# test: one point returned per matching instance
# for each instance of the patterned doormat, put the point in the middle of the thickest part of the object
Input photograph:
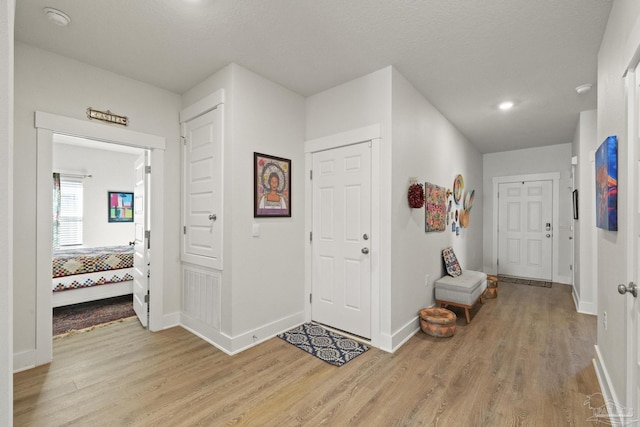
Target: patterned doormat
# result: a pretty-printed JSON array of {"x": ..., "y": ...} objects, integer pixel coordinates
[
  {"x": 324, "y": 344},
  {"x": 520, "y": 281}
]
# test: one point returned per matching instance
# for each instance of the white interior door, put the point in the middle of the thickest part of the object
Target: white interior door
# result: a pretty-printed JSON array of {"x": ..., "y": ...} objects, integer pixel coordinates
[
  {"x": 632, "y": 411},
  {"x": 341, "y": 240},
  {"x": 202, "y": 240},
  {"x": 525, "y": 229},
  {"x": 141, "y": 248}
]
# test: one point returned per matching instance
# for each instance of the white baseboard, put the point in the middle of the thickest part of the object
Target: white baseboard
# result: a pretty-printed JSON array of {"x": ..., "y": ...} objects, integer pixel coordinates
[
  {"x": 256, "y": 336},
  {"x": 24, "y": 360},
  {"x": 238, "y": 343},
  {"x": 405, "y": 333},
  {"x": 171, "y": 320},
  {"x": 610, "y": 397},
  {"x": 583, "y": 307}
]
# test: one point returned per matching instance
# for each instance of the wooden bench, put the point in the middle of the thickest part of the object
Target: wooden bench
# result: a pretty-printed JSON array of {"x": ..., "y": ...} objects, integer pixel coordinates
[{"x": 462, "y": 291}]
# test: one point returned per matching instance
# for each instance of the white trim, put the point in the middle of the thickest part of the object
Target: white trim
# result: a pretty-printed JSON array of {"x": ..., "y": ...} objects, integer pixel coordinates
[
  {"x": 98, "y": 131},
  {"x": 631, "y": 308},
  {"x": 24, "y": 360},
  {"x": 203, "y": 106},
  {"x": 582, "y": 306},
  {"x": 373, "y": 134},
  {"x": 239, "y": 343},
  {"x": 404, "y": 334},
  {"x": 342, "y": 139},
  {"x": 554, "y": 177},
  {"x": 48, "y": 124},
  {"x": 606, "y": 386}
]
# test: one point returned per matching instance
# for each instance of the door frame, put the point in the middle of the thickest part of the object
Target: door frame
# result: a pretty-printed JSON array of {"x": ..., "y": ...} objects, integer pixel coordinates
[
  {"x": 46, "y": 125},
  {"x": 365, "y": 134},
  {"x": 633, "y": 135},
  {"x": 554, "y": 177}
]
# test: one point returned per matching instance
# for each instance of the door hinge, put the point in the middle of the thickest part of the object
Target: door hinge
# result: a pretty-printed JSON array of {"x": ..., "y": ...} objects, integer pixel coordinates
[
  {"x": 184, "y": 140},
  {"x": 184, "y": 230},
  {"x": 147, "y": 235},
  {"x": 311, "y": 236},
  {"x": 310, "y": 298},
  {"x": 147, "y": 169},
  {"x": 311, "y": 174},
  {"x": 146, "y": 299}
]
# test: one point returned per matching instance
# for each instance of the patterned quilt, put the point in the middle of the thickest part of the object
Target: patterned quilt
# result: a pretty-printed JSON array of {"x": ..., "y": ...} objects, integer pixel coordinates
[
  {"x": 68, "y": 262},
  {"x": 82, "y": 268}
]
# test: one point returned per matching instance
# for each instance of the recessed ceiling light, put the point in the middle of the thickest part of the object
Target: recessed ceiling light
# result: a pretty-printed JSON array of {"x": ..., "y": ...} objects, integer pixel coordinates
[
  {"x": 506, "y": 105},
  {"x": 56, "y": 16},
  {"x": 584, "y": 88}
]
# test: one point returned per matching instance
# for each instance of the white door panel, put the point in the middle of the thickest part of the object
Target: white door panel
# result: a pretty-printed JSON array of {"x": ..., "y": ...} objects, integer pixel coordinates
[
  {"x": 141, "y": 248},
  {"x": 525, "y": 229},
  {"x": 202, "y": 242},
  {"x": 341, "y": 275}
]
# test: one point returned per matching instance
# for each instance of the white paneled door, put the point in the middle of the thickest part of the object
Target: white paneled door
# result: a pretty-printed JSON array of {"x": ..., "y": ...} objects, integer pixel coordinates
[
  {"x": 341, "y": 240},
  {"x": 525, "y": 229},
  {"x": 202, "y": 243},
  {"x": 141, "y": 248}
]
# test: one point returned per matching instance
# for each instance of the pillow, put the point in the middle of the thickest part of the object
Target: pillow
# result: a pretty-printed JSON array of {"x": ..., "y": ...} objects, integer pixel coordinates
[{"x": 451, "y": 262}]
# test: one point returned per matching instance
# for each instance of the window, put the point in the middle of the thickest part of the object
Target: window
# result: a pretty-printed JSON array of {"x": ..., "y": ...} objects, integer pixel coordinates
[{"x": 70, "y": 228}]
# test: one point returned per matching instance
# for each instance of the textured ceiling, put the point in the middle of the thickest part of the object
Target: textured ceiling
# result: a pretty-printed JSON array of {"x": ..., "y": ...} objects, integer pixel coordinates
[{"x": 465, "y": 56}]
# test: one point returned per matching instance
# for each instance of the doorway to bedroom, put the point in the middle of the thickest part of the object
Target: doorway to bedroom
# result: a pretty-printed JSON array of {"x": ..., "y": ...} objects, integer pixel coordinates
[
  {"x": 148, "y": 269},
  {"x": 94, "y": 222}
]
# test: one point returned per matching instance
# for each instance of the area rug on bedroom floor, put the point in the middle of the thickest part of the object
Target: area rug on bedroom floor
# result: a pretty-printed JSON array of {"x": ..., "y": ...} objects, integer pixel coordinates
[
  {"x": 324, "y": 344},
  {"x": 521, "y": 281},
  {"x": 88, "y": 314}
]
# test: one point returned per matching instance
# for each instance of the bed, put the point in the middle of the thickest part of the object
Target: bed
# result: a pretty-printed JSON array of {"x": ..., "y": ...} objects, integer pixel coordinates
[{"x": 89, "y": 274}]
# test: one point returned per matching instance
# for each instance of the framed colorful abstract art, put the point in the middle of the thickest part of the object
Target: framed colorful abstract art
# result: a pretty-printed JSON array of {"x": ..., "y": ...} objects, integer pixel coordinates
[
  {"x": 120, "y": 207},
  {"x": 272, "y": 186},
  {"x": 435, "y": 207},
  {"x": 607, "y": 184}
]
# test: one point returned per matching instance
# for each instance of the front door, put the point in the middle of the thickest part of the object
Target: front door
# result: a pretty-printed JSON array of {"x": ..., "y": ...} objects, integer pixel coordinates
[
  {"x": 141, "y": 248},
  {"x": 341, "y": 239},
  {"x": 525, "y": 229}
]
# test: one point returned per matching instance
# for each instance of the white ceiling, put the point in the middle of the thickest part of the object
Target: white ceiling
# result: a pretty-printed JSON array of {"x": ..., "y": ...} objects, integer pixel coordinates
[{"x": 465, "y": 56}]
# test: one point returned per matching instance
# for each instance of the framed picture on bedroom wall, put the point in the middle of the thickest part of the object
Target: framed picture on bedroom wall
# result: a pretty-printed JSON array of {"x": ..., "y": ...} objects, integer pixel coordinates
[{"x": 120, "y": 207}]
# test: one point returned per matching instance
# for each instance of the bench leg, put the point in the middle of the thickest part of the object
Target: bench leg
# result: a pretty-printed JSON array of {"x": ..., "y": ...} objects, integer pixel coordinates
[{"x": 466, "y": 314}]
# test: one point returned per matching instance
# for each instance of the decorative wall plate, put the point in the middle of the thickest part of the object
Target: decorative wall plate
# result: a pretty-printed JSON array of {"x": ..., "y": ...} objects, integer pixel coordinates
[{"x": 458, "y": 185}]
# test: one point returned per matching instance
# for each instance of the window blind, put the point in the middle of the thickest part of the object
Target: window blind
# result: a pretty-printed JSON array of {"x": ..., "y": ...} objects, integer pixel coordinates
[{"x": 71, "y": 202}]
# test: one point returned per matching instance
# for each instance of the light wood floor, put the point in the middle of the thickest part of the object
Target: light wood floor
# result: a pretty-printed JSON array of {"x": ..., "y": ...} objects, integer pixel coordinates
[{"x": 524, "y": 360}]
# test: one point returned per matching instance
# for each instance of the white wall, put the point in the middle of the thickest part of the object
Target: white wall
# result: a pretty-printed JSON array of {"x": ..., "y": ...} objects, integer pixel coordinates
[
  {"x": 110, "y": 171},
  {"x": 552, "y": 158},
  {"x": 584, "y": 144},
  {"x": 621, "y": 39},
  {"x": 7, "y": 10},
  {"x": 58, "y": 85},
  {"x": 263, "y": 277},
  {"x": 426, "y": 145}
]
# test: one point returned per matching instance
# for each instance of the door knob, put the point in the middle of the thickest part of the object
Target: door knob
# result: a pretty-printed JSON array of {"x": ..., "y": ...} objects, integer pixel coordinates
[
  {"x": 631, "y": 288},
  {"x": 365, "y": 250},
  {"x": 213, "y": 217},
  {"x": 548, "y": 235}
]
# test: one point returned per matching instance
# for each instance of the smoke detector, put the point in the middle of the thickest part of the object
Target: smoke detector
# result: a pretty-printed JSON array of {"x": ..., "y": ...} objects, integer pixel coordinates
[{"x": 56, "y": 16}]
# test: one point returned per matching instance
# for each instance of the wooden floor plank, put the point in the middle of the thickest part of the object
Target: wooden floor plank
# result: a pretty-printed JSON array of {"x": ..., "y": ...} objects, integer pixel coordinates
[{"x": 525, "y": 359}]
